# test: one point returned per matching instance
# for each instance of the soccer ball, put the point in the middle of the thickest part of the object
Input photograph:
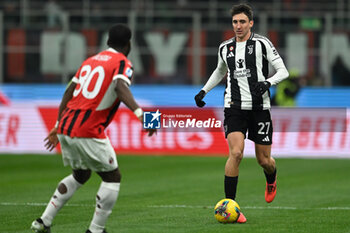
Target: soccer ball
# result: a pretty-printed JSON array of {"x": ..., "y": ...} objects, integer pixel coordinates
[{"x": 227, "y": 211}]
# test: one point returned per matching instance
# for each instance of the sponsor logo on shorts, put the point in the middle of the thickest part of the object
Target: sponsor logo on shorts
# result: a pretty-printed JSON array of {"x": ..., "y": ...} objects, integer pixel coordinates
[{"x": 266, "y": 139}]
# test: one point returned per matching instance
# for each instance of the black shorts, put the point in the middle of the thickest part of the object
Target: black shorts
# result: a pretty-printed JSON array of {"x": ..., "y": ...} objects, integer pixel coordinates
[{"x": 257, "y": 122}]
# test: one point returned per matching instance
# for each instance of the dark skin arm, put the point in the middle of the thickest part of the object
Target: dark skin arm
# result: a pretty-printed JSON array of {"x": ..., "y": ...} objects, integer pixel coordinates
[
  {"x": 125, "y": 96},
  {"x": 52, "y": 139}
]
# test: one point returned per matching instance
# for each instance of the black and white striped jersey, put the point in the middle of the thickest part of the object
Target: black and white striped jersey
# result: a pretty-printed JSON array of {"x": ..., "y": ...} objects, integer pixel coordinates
[{"x": 246, "y": 63}]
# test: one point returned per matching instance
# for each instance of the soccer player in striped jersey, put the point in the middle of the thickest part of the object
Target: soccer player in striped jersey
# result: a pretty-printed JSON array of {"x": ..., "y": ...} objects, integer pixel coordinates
[
  {"x": 245, "y": 59},
  {"x": 87, "y": 107}
]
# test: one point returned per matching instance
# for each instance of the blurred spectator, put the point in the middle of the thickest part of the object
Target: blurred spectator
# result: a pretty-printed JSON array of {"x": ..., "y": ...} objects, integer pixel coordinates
[
  {"x": 340, "y": 73},
  {"x": 287, "y": 90},
  {"x": 294, "y": 5},
  {"x": 182, "y": 4},
  {"x": 140, "y": 5},
  {"x": 11, "y": 12},
  {"x": 53, "y": 12},
  {"x": 96, "y": 13}
]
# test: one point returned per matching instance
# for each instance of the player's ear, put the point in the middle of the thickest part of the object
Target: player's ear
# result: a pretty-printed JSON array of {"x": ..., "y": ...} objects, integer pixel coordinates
[{"x": 251, "y": 23}]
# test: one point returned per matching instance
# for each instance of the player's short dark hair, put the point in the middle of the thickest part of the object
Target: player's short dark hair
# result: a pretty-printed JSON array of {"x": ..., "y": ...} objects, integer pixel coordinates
[
  {"x": 242, "y": 8},
  {"x": 119, "y": 36}
]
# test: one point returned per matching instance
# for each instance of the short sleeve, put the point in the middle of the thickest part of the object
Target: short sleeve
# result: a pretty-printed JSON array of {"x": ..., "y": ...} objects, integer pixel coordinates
[{"x": 124, "y": 71}]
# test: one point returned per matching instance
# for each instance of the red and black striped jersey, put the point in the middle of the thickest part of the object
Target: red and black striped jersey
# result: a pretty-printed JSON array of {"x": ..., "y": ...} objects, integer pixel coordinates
[{"x": 95, "y": 101}]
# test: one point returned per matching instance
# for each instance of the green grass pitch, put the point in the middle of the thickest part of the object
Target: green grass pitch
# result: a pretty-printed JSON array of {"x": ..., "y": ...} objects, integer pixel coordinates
[{"x": 177, "y": 194}]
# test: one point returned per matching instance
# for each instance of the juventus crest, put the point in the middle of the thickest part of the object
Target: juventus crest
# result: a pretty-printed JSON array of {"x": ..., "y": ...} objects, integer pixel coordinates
[{"x": 250, "y": 49}]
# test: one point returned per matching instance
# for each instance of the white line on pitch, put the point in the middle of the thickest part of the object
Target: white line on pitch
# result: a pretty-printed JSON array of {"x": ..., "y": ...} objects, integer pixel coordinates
[
  {"x": 38, "y": 204},
  {"x": 188, "y": 206},
  {"x": 252, "y": 207}
]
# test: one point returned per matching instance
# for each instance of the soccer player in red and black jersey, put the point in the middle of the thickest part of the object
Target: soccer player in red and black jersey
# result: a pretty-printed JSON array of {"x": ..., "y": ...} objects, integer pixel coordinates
[{"x": 88, "y": 106}]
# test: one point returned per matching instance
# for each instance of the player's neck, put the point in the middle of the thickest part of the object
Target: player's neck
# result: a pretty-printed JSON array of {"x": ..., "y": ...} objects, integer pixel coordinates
[
  {"x": 121, "y": 50},
  {"x": 245, "y": 38}
]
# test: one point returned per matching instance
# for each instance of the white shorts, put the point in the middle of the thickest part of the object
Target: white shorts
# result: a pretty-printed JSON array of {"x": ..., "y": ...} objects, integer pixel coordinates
[{"x": 88, "y": 153}]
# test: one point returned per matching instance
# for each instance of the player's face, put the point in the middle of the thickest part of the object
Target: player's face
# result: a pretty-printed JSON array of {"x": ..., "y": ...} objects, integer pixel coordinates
[{"x": 241, "y": 26}]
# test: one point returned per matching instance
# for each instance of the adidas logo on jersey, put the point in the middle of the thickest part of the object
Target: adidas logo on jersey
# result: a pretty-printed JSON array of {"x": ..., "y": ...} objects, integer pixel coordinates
[
  {"x": 230, "y": 55},
  {"x": 266, "y": 139}
]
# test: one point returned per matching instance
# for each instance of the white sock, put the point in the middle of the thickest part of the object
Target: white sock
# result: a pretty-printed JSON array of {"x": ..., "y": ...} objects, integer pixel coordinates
[
  {"x": 58, "y": 199},
  {"x": 105, "y": 200}
]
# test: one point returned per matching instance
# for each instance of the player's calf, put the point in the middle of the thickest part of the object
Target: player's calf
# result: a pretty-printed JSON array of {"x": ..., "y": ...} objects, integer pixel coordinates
[{"x": 105, "y": 200}]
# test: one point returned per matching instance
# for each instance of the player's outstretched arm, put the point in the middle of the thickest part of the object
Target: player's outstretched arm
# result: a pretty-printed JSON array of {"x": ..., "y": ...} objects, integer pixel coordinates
[
  {"x": 125, "y": 96},
  {"x": 214, "y": 79},
  {"x": 199, "y": 98},
  {"x": 52, "y": 139},
  {"x": 68, "y": 94}
]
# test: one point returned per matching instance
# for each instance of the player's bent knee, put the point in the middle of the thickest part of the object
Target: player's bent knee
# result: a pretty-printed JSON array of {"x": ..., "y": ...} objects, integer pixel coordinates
[
  {"x": 236, "y": 155},
  {"x": 81, "y": 175},
  {"x": 263, "y": 162},
  {"x": 266, "y": 163},
  {"x": 118, "y": 176},
  {"x": 111, "y": 176}
]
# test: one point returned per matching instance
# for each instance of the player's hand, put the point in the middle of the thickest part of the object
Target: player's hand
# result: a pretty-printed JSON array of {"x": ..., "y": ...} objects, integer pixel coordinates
[
  {"x": 51, "y": 140},
  {"x": 259, "y": 88},
  {"x": 199, "y": 99},
  {"x": 151, "y": 132}
]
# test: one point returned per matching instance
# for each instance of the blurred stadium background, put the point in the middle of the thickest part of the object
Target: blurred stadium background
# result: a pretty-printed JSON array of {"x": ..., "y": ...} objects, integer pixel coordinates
[{"x": 174, "y": 50}]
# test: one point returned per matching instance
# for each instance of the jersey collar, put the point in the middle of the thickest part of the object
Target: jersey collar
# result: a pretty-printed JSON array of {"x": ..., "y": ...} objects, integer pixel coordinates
[
  {"x": 112, "y": 50},
  {"x": 250, "y": 37}
]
